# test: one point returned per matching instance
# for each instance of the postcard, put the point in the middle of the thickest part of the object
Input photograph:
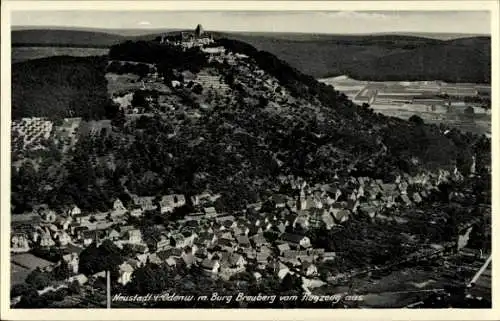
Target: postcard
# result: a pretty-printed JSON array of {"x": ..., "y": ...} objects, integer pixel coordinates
[{"x": 248, "y": 160}]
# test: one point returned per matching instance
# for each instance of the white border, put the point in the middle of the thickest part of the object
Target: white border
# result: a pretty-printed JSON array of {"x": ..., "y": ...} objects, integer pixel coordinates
[{"x": 240, "y": 314}]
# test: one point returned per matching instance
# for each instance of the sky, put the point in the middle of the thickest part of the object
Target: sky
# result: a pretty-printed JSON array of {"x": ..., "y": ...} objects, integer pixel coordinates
[{"x": 335, "y": 22}]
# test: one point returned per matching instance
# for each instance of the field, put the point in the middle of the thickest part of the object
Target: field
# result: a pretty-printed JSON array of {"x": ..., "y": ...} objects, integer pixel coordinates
[
  {"x": 28, "y": 53},
  {"x": 423, "y": 98}
]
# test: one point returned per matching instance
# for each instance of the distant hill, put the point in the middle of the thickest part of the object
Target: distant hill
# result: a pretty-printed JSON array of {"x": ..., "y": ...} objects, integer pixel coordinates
[
  {"x": 366, "y": 57},
  {"x": 66, "y": 38},
  {"x": 451, "y": 62},
  {"x": 381, "y": 57}
]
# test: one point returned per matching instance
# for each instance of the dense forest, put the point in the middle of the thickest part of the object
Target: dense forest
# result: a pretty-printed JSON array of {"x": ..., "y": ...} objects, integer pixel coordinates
[{"x": 59, "y": 87}]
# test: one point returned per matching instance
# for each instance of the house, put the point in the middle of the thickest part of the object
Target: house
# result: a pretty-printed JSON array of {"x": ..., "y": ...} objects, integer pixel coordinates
[
  {"x": 169, "y": 202},
  {"x": 91, "y": 236},
  {"x": 279, "y": 200},
  {"x": 64, "y": 223},
  {"x": 282, "y": 248},
  {"x": 281, "y": 227},
  {"x": 146, "y": 203},
  {"x": 368, "y": 209},
  {"x": 282, "y": 270},
  {"x": 71, "y": 260},
  {"x": 180, "y": 241},
  {"x": 62, "y": 238},
  {"x": 231, "y": 263},
  {"x": 259, "y": 240},
  {"x": 118, "y": 208},
  {"x": 329, "y": 256},
  {"x": 73, "y": 211},
  {"x": 163, "y": 242},
  {"x": 224, "y": 218},
  {"x": 405, "y": 199},
  {"x": 19, "y": 242},
  {"x": 158, "y": 257},
  {"x": 133, "y": 236},
  {"x": 237, "y": 230},
  {"x": 228, "y": 224},
  {"x": 136, "y": 211},
  {"x": 82, "y": 219},
  {"x": 417, "y": 198},
  {"x": 125, "y": 272},
  {"x": 171, "y": 261},
  {"x": 293, "y": 253},
  {"x": 302, "y": 221},
  {"x": 113, "y": 235},
  {"x": 77, "y": 231},
  {"x": 80, "y": 278},
  {"x": 210, "y": 212},
  {"x": 142, "y": 258},
  {"x": 226, "y": 245},
  {"x": 48, "y": 215},
  {"x": 138, "y": 248},
  {"x": 339, "y": 214},
  {"x": 309, "y": 269},
  {"x": 262, "y": 257},
  {"x": 403, "y": 187},
  {"x": 210, "y": 266},
  {"x": 243, "y": 240},
  {"x": 295, "y": 240},
  {"x": 46, "y": 240},
  {"x": 134, "y": 263},
  {"x": 188, "y": 256}
]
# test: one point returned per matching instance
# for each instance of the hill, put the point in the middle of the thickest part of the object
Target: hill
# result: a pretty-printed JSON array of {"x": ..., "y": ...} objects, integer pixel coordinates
[
  {"x": 232, "y": 125},
  {"x": 366, "y": 57},
  {"x": 371, "y": 57},
  {"x": 64, "y": 38},
  {"x": 465, "y": 61}
]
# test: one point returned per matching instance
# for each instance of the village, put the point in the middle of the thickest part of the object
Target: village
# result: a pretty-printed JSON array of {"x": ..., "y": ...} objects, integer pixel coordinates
[{"x": 220, "y": 244}]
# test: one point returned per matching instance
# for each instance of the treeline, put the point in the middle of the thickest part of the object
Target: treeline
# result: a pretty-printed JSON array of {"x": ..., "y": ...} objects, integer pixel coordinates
[{"x": 59, "y": 87}]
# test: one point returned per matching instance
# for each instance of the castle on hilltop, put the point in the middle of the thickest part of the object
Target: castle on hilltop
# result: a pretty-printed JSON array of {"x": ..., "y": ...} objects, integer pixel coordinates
[{"x": 190, "y": 39}]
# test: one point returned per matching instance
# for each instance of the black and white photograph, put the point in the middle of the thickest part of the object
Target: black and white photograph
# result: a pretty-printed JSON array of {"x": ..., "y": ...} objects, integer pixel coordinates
[{"x": 248, "y": 159}]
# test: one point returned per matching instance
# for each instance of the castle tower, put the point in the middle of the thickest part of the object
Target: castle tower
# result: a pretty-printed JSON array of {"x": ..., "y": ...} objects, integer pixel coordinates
[{"x": 198, "y": 32}]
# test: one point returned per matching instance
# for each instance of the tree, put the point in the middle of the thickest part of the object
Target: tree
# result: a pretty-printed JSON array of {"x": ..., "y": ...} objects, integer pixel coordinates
[
  {"x": 91, "y": 259},
  {"x": 74, "y": 287},
  {"x": 416, "y": 120},
  {"x": 39, "y": 279},
  {"x": 32, "y": 300},
  {"x": 469, "y": 112},
  {"x": 198, "y": 89}
]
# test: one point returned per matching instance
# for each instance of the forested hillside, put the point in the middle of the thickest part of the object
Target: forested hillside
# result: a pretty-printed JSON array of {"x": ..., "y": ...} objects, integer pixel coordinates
[{"x": 59, "y": 87}]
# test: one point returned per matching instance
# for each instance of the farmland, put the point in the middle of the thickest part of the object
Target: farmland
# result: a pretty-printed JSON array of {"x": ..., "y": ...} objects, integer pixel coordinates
[{"x": 433, "y": 101}]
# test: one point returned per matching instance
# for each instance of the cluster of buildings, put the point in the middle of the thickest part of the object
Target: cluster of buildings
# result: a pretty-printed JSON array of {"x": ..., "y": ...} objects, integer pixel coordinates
[
  {"x": 224, "y": 244},
  {"x": 189, "y": 39}
]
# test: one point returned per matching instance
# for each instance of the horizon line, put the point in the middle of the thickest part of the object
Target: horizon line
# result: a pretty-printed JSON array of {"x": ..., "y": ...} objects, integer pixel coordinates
[{"x": 103, "y": 29}]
